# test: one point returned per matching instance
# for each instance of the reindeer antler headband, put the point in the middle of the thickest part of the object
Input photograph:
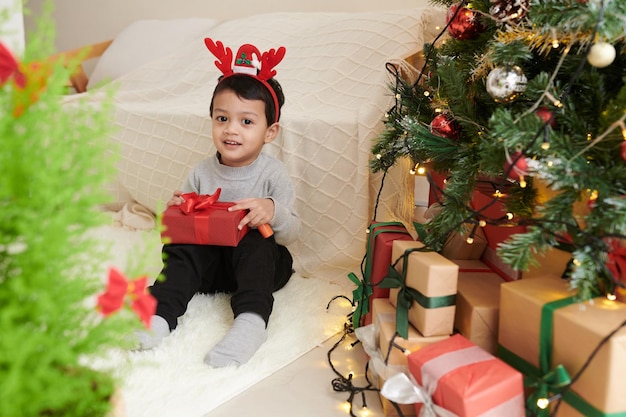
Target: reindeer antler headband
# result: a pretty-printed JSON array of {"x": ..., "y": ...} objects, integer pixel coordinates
[{"x": 249, "y": 61}]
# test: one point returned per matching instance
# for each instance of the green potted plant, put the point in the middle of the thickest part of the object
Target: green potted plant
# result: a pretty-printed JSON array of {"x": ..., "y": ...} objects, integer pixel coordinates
[{"x": 55, "y": 164}]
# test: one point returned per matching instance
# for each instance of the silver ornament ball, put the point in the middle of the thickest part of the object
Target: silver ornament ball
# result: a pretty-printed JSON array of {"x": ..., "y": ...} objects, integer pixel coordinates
[{"x": 506, "y": 83}]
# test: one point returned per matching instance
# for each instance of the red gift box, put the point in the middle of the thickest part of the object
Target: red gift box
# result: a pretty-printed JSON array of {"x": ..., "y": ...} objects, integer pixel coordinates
[
  {"x": 467, "y": 380},
  {"x": 202, "y": 220},
  {"x": 378, "y": 258},
  {"x": 483, "y": 201},
  {"x": 496, "y": 235}
]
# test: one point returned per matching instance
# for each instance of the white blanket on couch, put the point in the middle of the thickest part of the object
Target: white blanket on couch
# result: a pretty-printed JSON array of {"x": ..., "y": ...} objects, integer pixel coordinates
[{"x": 337, "y": 91}]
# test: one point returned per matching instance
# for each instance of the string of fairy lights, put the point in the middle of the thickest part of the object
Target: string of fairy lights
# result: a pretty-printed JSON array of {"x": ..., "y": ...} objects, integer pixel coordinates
[{"x": 515, "y": 173}]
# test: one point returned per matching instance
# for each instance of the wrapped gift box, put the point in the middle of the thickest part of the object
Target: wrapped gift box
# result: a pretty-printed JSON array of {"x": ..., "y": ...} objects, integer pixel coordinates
[
  {"x": 383, "y": 313},
  {"x": 495, "y": 235},
  {"x": 389, "y": 410},
  {"x": 478, "y": 307},
  {"x": 382, "y": 310},
  {"x": 577, "y": 330},
  {"x": 482, "y": 200},
  {"x": 433, "y": 276},
  {"x": 213, "y": 225},
  {"x": 378, "y": 257},
  {"x": 457, "y": 247},
  {"x": 385, "y": 318},
  {"x": 553, "y": 262},
  {"x": 468, "y": 381},
  {"x": 471, "y": 265}
]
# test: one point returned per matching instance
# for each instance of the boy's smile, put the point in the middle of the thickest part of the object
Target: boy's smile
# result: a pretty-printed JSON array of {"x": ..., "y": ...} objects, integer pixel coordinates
[{"x": 240, "y": 128}]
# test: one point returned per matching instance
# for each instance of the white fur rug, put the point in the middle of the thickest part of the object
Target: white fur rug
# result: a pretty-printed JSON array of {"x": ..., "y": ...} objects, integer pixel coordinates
[{"x": 172, "y": 380}]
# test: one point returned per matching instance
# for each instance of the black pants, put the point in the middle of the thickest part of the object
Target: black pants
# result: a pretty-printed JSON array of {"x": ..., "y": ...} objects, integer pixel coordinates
[{"x": 252, "y": 271}]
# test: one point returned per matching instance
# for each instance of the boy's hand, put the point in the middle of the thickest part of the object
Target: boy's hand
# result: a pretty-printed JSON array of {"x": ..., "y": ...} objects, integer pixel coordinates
[
  {"x": 176, "y": 199},
  {"x": 260, "y": 211}
]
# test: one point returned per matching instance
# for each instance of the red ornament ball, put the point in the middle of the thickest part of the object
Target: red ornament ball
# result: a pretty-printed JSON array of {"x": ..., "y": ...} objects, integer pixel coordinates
[
  {"x": 623, "y": 150},
  {"x": 444, "y": 125},
  {"x": 516, "y": 166},
  {"x": 463, "y": 23},
  {"x": 546, "y": 115}
]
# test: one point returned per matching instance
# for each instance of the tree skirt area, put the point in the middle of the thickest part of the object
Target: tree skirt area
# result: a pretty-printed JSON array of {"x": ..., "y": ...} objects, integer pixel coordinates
[{"x": 172, "y": 379}]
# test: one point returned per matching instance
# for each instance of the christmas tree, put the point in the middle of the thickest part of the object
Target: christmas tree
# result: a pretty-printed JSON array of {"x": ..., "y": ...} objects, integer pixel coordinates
[
  {"x": 526, "y": 101},
  {"x": 55, "y": 163}
]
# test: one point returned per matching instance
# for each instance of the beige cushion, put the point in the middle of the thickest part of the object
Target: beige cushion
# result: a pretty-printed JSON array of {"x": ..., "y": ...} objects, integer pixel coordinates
[{"x": 143, "y": 41}]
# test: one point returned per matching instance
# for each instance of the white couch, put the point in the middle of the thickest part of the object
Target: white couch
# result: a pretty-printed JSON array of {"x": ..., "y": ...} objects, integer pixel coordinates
[{"x": 337, "y": 92}]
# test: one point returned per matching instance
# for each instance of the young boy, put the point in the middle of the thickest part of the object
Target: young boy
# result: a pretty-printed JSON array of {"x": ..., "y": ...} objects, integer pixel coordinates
[{"x": 245, "y": 110}]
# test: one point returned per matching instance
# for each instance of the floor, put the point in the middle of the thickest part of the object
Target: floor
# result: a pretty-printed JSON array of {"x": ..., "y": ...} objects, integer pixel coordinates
[{"x": 304, "y": 388}]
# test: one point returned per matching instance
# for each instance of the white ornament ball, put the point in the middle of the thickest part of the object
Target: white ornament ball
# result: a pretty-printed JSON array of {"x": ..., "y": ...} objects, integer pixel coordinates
[
  {"x": 505, "y": 84},
  {"x": 601, "y": 54}
]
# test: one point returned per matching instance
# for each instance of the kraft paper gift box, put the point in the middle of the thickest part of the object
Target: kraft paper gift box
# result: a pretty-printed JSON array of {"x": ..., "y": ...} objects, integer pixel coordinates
[
  {"x": 382, "y": 309},
  {"x": 384, "y": 312},
  {"x": 466, "y": 380},
  {"x": 471, "y": 265},
  {"x": 576, "y": 330},
  {"x": 385, "y": 319},
  {"x": 478, "y": 307},
  {"x": 200, "y": 223},
  {"x": 377, "y": 259},
  {"x": 457, "y": 247},
  {"x": 434, "y": 278},
  {"x": 389, "y": 410},
  {"x": 553, "y": 262}
]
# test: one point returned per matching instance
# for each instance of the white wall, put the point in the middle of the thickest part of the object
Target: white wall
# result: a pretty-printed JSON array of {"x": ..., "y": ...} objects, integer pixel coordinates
[
  {"x": 81, "y": 22},
  {"x": 12, "y": 31}
]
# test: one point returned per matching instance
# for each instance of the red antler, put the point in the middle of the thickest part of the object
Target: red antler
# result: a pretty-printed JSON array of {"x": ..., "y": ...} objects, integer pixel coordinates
[
  {"x": 224, "y": 56},
  {"x": 269, "y": 60}
]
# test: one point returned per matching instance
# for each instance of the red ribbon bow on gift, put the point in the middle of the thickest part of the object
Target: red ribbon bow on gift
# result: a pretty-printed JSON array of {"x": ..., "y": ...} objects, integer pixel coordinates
[
  {"x": 194, "y": 202},
  {"x": 142, "y": 302},
  {"x": 617, "y": 261}
]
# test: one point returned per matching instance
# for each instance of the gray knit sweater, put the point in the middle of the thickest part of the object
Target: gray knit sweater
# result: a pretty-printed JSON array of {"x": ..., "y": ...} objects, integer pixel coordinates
[{"x": 266, "y": 177}]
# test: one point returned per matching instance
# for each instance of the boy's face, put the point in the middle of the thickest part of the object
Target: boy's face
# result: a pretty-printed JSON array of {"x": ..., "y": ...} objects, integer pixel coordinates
[{"x": 240, "y": 128}]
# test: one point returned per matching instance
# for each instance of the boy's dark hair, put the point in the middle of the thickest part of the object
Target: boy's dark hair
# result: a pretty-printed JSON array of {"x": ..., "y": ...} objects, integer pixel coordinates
[{"x": 249, "y": 88}]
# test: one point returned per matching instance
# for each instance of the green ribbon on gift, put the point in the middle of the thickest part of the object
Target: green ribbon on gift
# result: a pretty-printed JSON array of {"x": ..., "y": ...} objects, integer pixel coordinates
[
  {"x": 552, "y": 382},
  {"x": 532, "y": 374},
  {"x": 361, "y": 295},
  {"x": 363, "y": 291},
  {"x": 360, "y": 298},
  {"x": 374, "y": 230},
  {"x": 548, "y": 380},
  {"x": 407, "y": 295}
]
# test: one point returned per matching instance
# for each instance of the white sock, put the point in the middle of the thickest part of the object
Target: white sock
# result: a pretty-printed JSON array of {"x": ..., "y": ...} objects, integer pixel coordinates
[
  {"x": 159, "y": 329},
  {"x": 240, "y": 343}
]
